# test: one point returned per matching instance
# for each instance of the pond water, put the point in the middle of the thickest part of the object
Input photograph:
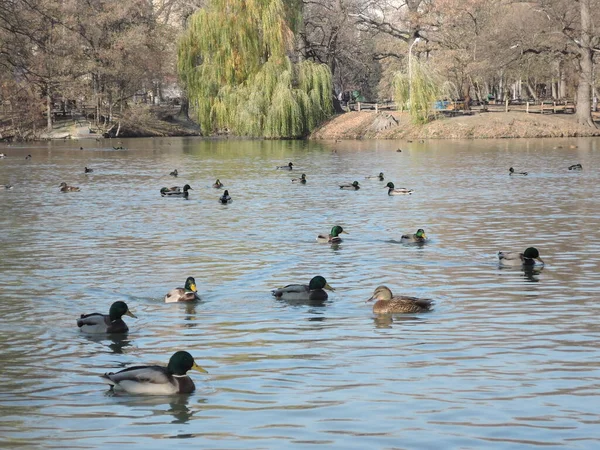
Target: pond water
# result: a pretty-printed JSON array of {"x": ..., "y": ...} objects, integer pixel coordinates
[{"x": 508, "y": 358}]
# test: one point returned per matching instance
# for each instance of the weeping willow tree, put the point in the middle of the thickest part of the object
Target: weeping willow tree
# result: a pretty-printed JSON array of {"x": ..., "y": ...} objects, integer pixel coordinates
[
  {"x": 235, "y": 66},
  {"x": 419, "y": 92}
]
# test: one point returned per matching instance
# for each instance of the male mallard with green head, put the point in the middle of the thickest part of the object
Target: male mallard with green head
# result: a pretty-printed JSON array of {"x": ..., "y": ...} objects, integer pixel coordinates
[
  {"x": 333, "y": 237},
  {"x": 418, "y": 238},
  {"x": 175, "y": 191},
  {"x": 157, "y": 380},
  {"x": 185, "y": 294},
  {"x": 398, "y": 191},
  {"x": 387, "y": 303},
  {"x": 87, "y": 170},
  {"x": 217, "y": 184},
  {"x": 350, "y": 187},
  {"x": 376, "y": 177},
  {"x": 301, "y": 180},
  {"x": 66, "y": 188},
  {"x": 530, "y": 257},
  {"x": 511, "y": 171},
  {"x": 306, "y": 292},
  {"x": 576, "y": 167},
  {"x": 112, "y": 322}
]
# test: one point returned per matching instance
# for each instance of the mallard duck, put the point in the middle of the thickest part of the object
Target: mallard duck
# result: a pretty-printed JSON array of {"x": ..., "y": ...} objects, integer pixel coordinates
[
  {"x": 87, "y": 170},
  {"x": 28, "y": 157},
  {"x": 217, "y": 184},
  {"x": 157, "y": 379},
  {"x": 185, "y": 294},
  {"x": 387, "y": 303},
  {"x": 112, "y": 322},
  {"x": 174, "y": 173},
  {"x": 530, "y": 257},
  {"x": 418, "y": 238},
  {"x": 301, "y": 180},
  {"x": 511, "y": 171},
  {"x": 333, "y": 237},
  {"x": 312, "y": 291},
  {"x": 376, "y": 177},
  {"x": 576, "y": 167},
  {"x": 225, "y": 198},
  {"x": 8, "y": 187},
  {"x": 65, "y": 188},
  {"x": 176, "y": 191},
  {"x": 120, "y": 147},
  {"x": 350, "y": 187},
  {"x": 398, "y": 191},
  {"x": 288, "y": 167}
]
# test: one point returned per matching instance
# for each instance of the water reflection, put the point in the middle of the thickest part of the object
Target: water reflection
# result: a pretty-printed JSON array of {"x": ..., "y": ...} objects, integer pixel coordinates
[{"x": 115, "y": 342}]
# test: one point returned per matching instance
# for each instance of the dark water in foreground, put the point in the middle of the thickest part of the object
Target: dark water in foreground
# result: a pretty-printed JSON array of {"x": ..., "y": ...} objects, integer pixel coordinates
[{"x": 507, "y": 359}]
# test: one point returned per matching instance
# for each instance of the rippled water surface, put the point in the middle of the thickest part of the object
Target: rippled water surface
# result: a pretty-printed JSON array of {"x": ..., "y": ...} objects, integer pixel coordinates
[{"x": 506, "y": 359}]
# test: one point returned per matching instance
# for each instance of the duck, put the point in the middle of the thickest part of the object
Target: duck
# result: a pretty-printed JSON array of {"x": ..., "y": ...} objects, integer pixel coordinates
[
  {"x": 185, "y": 294},
  {"x": 28, "y": 157},
  {"x": 418, "y": 238},
  {"x": 350, "y": 187},
  {"x": 530, "y": 257},
  {"x": 376, "y": 177},
  {"x": 576, "y": 167},
  {"x": 217, "y": 184},
  {"x": 176, "y": 191},
  {"x": 2, "y": 155},
  {"x": 157, "y": 380},
  {"x": 333, "y": 237},
  {"x": 314, "y": 290},
  {"x": 66, "y": 188},
  {"x": 398, "y": 191},
  {"x": 288, "y": 167},
  {"x": 120, "y": 147},
  {"x": 97, "y": 323},
  {"x": 225, "y": 198},
  {"x": 387, "y": 303},
  {"x": 174, "y": 173},
  {"x": 8, "y": 187},
  {"x": 511, "y": 171},
  {"x": 301, "y": 180},
  {"x": 87, "y": 170}
]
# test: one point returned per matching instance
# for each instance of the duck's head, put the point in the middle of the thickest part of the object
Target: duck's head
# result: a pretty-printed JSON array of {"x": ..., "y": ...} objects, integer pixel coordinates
[
  {"x": 218, "y": 181},
  {"x": 381, "y": 293},
  {"x": 118, "y": 310},
  {"x": 355, "y": 183},
  {"x": 63, "y": 184},
  {"x": 421, "y": 233},
  {"x": 226, "y": 193},
  {"x": 511, "y": 170},
  {"x": 290, "y": 165},
  {"x": 187, "y": 187},
  {"x": 380, "y": 174},
  {"x": 303, "y": 177},
  {"x": 390, "y": 185},
  {"x": 337, "y": 230},
  {"x": 532, "y": 253},
  {"x": 319, "y": 282},
  {"x": 181, "y": 362},
  {"x": 190, "y": 284}
]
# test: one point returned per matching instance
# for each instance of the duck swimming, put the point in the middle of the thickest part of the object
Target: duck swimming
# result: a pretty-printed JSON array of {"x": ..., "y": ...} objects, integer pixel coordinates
[
  {"x": 350, "y": 187},
  {"x": 418, "y": 238},
  {"x": 511, "y": 171},
  {"x": 217, "y": 184},
  {"x": 376, "y": 177},
  {"x": 576, "y": 167},
  {"x": 87, "y": 170},
  {"x": 333, "y": 237},
  {"x": 112, "y": 322},
  {"x": 225, "y": 198},
  {"x": 301, "y": 180},
  {"x": 387, "y": 303},
  {"x": 174, "y": 173},
  {"x": 176, "y": 191},
  {"x": 65, "y": 188},
  {"x": 288, "y": 167},
  {"x": 530, "y": 257},
  {"x": 398, "y": 191},
  {"x": 306, "y": 292},
  {"x": 157, "y": 380},
  {"x": 185, "y": 294}
]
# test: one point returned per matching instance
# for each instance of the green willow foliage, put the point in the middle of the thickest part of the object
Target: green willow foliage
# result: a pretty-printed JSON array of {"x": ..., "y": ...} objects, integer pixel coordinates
[
  {"x": 234, "y": 63},
  {"x": 424, "y": 91}
]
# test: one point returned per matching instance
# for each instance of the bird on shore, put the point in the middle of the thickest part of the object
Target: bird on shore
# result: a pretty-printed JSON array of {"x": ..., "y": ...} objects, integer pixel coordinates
[
  {"x": 387, "y": 303},
  {"x": 350, "y": 187},
  {"x": 530, "y": 257},
  {"x": 376, "y": 177},
  {"x": 333, "y": 237},
  {"x": 576, "y": 167},
  {"x": 301, "y": 180},
  {"x": 88, "y": 170},
  {"x": 314, "y": 290},
  {"x": 398, "y": 191},
  {"x": 157, "y": 380},
  {"x": 418, "y": 238},
  {"x": 174, "y": 173},
  {"x": 288, "y": 167},
  {"x": 176, "y": 191},
  {"x": 217, "y": 184},
  {"x": 225, "y": 198},
  {"x": 511, "y": 171},
  {"x": 185, "y": 294},
  {"x": 64, "y": 187},
  {"x": 97, "y": 323}
]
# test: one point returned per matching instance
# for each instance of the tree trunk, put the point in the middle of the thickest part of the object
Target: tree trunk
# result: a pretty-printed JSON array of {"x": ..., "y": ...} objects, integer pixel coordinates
[
  {"x": 584, "y": 88},
  {"x": 48, "y": 109}
]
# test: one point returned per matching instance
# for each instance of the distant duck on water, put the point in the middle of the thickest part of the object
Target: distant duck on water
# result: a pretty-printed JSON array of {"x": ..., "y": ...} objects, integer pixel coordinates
[
  {"x": 185, "y": 294},
  {"x": 64, "y": 187},
  {"x": 174, "y": 173},
  {"x": 511, "y": 171},
  {"x": 314, "y": 291},
  {"x": 217, "y": 184},
  {"x": 376, "y": 177},
  {"x": 333, "y": 237},
  {"x": 418, "y": 238},
  {"x": 112, "y": 322},
  {"x": 301, "y": 180},
  {"x": 387, "y": 303},
  {"x": 398, "y": 191},
  {"x": 225, "y": 198},
  {"x": 175, "y": 191},
  {"x": 288, "y": 167},
  {"x": 88, "y": 170},
  {"x": 350, "y": 187},
  {"x": 530, "y": 257},
  {"x": 576, "y": 167}
]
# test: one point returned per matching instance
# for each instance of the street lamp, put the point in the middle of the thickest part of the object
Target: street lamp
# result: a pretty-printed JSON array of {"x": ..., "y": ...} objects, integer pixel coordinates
[{"x": 417, "y": 39}]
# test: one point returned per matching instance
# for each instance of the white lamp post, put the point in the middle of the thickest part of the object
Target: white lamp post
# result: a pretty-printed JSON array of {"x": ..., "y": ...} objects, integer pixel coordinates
[{"x": 417, "y": 39}]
